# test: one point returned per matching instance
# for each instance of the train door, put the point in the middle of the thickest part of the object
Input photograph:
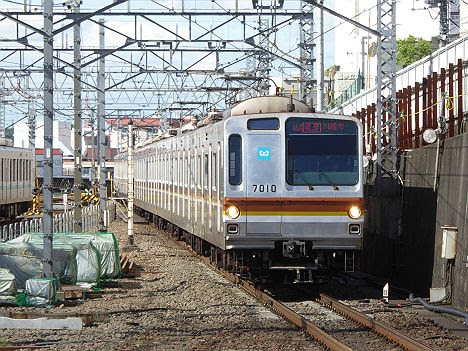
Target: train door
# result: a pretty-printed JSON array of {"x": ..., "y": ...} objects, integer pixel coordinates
[
  {"x": 2, "y": 180},
  {"x": 205, "y": 220},
  {"x": 263, "y": 168}
]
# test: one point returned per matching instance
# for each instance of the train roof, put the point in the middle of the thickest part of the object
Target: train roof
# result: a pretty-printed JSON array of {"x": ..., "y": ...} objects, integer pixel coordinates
[
  {"x": 265, "y": 105},
  {"x": 268, "y": 104}
]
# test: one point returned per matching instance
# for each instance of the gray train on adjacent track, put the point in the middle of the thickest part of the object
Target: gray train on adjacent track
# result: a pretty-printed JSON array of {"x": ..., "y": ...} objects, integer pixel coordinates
[
  {"x": 16, "y": 180},
  {"x": 265, "y": 186}
]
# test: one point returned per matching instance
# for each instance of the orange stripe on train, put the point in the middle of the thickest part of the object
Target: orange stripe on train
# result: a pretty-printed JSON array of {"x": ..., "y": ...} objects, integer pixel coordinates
[{"x": 289, "y": 204}]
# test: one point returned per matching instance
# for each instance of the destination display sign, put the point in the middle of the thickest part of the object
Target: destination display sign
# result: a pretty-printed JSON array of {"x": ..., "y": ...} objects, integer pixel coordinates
[{"x": 320, "y": 126}]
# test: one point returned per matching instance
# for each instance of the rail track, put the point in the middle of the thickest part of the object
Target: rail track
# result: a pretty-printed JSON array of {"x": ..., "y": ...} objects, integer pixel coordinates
[
  {"x": 389, "y": 333},
  {"x": 310, "y": 328}
]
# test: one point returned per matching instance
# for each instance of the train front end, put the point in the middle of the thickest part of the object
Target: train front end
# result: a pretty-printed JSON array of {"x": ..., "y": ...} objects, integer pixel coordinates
[{"x": 294, "y": 190}]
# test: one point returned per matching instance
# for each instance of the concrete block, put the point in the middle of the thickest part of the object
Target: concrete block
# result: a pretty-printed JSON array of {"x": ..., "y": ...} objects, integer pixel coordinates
[{"x": 74, "y": 323}]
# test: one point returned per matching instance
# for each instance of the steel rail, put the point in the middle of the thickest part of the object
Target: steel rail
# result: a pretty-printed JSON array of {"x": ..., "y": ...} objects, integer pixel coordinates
[
  {"x": 382, "y": 329},
  {"x": 307, "y": 326}
]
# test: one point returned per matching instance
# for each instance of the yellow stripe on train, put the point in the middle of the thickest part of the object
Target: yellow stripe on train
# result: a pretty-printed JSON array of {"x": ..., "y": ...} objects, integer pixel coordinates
[{"x": 266, "y": 213}]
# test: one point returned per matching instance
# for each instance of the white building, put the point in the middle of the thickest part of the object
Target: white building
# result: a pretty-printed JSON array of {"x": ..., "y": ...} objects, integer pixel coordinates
[
  {"x": 349, "y": 39},
  {"x": 62, "y": 136}
]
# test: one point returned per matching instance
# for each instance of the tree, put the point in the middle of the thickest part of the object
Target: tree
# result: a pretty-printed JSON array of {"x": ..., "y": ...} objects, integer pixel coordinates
[{"x": 411, "y": 49}]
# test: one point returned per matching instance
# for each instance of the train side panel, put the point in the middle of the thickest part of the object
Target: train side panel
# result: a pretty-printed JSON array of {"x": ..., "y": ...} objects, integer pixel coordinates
[
  {"x": 16, "y": 180},
  {"x": 181, "y": 180}
]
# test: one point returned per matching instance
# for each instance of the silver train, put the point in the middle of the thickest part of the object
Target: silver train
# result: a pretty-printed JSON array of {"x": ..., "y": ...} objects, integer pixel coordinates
[
  {"x": 16, "y": 181},
  {"x": 269, "y": 186}
]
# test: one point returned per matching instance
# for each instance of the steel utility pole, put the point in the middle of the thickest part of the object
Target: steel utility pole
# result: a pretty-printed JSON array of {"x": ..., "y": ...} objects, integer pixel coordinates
[
  {"x": 32, "y": 125},
  {"x": 320, "y": 65},
  {"x": 130, "y": 177},
  {"x": 2, "y": 108},
  {"x": 101, "y": 130},
  {"x": 386, "y": 91},
  {"x": 92, "y": 171},
  {"x": 78, "y": 182},
  {"x": 386, "y": 85},
  {"x": 306, "y": 48},
  {"x": 363, "y": 59},
  {"x": 47, "y": 187},
  {"x": 443, "y": 22}
]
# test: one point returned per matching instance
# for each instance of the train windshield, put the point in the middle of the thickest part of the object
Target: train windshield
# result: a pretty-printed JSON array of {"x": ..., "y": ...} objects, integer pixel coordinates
[{"x": 321, "y": 152}]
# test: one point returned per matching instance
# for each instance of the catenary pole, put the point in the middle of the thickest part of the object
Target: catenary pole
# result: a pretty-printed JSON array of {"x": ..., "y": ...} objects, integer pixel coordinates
[
  {"x": 130, "y": 176},
  {"x": 77, "y": 219},
  {"x": 320, "y": 66},
  {"x": 47, "y": 189},
  {"x": 101, "y": 131},
  {"x": 32, "y": 125}
]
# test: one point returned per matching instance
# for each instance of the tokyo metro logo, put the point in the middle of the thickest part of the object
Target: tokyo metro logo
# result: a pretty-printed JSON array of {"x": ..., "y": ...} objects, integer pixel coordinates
[{"x": 263, "y": 153}]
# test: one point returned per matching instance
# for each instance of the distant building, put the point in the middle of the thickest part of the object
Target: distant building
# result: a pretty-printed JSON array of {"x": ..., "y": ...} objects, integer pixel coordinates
[
  {"x": 62, "y": 132},
  {"x": 62, "y": 136},
  {"x": 90, "y": 159},
  {"x": 144, "y": 128}
]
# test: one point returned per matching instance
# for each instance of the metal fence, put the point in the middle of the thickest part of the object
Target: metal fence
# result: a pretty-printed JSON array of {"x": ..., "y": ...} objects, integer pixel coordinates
[
  {"x": 440, "y": 94},
  {"x": 63, "y": 222},
  {"x": 353, "y": 89},
  {"x": 432, "y": 87},
  {"x": 416, "y": 72}
]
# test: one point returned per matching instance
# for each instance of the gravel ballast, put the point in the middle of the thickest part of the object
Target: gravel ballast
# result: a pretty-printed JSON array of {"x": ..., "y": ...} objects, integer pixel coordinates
[{"x": 178, "y": 303}]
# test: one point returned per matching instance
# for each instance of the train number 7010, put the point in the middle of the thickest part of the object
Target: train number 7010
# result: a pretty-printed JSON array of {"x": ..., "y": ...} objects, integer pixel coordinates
[{"x": 264, "y": 188}]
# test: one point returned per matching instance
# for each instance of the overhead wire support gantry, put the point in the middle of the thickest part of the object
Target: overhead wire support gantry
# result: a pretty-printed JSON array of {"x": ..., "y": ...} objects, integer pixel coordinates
[
  {"x": 386, "y": 132},
  {"x": 178, "y": 54},
  {"x": 48, "y": 33}
]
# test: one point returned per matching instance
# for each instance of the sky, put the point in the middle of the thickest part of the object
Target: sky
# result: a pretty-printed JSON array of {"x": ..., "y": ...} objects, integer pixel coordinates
[
  {"x": 418, "y": 22},
  {"x": 342, "y": 43}
]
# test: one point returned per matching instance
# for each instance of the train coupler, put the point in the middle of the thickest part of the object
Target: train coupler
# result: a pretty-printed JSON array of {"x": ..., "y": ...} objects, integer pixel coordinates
[{"x": 294, "y": 249}]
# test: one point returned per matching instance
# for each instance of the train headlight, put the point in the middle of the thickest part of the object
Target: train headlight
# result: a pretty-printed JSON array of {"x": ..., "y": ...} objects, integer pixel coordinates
[
  {"x": 233, "y": 212},
  {"x": 354, "y": 212}
]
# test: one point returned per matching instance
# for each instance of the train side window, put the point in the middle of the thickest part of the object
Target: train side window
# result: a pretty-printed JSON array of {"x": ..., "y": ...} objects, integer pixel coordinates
[
  {"x": 186, "y": 172},
  {"x": 263, "y": 124},
  {"x": 235, "y": 159},
  {"x": 205, "y": 175},
  {"x": 214, "y": 171},
  {"x": 181, "y": 169},
  {"x": 198, "y": 171}
]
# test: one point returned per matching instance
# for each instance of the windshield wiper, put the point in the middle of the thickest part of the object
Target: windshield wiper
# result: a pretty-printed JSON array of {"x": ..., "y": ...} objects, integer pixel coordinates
[
  {"x": 303, "y": 178},
  {"x": 327, "y": 177}
]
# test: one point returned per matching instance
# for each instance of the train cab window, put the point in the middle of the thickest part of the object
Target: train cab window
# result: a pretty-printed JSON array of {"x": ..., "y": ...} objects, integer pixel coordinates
[
  {"x": 321, "y": 152},
  {"x": 263, "y": 124},
  {"x": 235, "y": 159}
]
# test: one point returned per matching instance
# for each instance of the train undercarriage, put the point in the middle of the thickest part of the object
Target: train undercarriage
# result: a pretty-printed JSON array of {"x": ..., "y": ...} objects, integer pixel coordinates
[{"x": 284, "y": 264}]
